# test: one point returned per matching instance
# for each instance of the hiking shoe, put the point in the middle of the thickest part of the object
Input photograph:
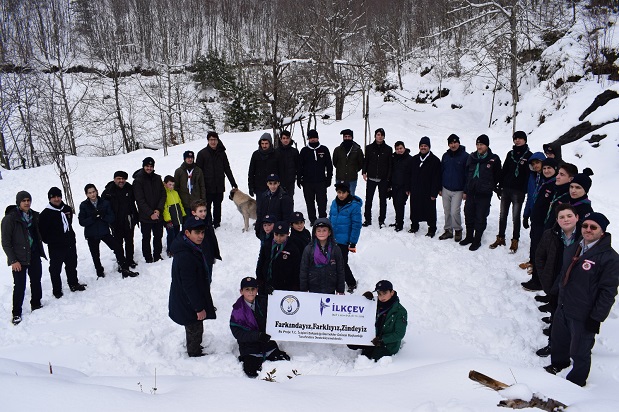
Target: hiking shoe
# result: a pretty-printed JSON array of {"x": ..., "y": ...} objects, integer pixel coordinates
[
  {"x": 544, "y": 308},
  {"x": 466, "y": 241},
  {"x": 78, "y": 287},
  {"x": 553, "y": 369},
  {"x": 514, "y": 246},
  {"x": 132, "y": 264},
  {"x": 542, "y": 298},
  {"x": 364, "y": 224},
  {"x": 458, "y": 236},
  {"x": 16, "y": 320},
  {"x": 412, "y": 230},
  {"x": 398, "y": 228},
  {"x": 157, "y": 258},
  {"x": 525, "y": 265},
  {"x": 100, "y": 273},
  {"x": 36, "y": 306},
  {"x": 446, "y": 235},
  {"x": 544, "y": 352},
  {"x": 474, "y": 246},
  {"x": 500, "y": 241},
  {"x": 430, "y": 234},
  {"x": 128, "y": 273},
  {"x": 58, "y": 295},
  {"x": 148, "y": 259},
  {"x": 531, "y": 286}
]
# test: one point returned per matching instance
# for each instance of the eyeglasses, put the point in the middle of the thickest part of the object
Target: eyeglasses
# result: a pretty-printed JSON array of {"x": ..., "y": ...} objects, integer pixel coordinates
[{"x": 590, "y": 226}]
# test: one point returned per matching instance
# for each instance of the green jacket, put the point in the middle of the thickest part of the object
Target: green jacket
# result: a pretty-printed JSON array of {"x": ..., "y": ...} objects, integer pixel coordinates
[
  {"x": 394, "y": 328},
  {"x": 347, "y": 163}
]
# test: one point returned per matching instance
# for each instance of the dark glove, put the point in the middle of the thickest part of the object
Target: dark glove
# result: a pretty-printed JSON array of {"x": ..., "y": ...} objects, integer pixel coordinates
[
  {"x": 264, "y": 337},
  {"x": 97, "y": 214},
  {"x": 592, "y": 325},
  {"x": 299, "y": 184},
  {"x": 352, "y": 247},
  {"x": 377, "y": 341},
  {"x": 525, "y": 222},
  {"x": 368, "y": 295},
  {"x": 251, "y": 193}
]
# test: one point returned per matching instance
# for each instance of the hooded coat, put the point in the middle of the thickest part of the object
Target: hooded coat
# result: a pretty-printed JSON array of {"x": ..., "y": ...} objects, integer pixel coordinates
[
  {"x": 262, "y": 164},
  {"x": 346, "y": 220},
  {"x": 328, "y": 278}
]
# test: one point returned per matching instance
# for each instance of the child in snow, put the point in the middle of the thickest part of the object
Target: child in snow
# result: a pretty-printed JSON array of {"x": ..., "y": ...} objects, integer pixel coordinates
[
  {"x": 322, "y": 265},
  {"x": 299, "y": 235},
  {"x": 210, "y": 245},
  {"x": 248, "y": 325},
  {"x": 173, "y": 212}
]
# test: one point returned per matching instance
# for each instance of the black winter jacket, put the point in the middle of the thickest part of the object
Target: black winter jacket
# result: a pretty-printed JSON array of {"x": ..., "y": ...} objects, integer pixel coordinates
[
  {"x": 277, "y": 204},
  {"x": 284, "y": 268},
  {"x": 377, "y": 161},
  {"x": 489, "y": 174},
  {"x": 549, "y": 256},
  {"x": 215, "y": 166},
  {"x": 15, "y": 241},
  {"x": 149, "y": 194},
  {"x": 289, "y": 165},
  {"x": 262, "y": 164},
  {"x": 540, "y": 208},
  {"x": 401, "y": 171},
  {"x": 300, "y": 239},
  {"x": 123, "y": 206},
  {"x": 52, "y": 229},
  {"x": 515, "y": 172},
  {"x": 315, "y": 165},
  {"x": 325, "y": 279},
  {"x": 96, "y": 227}
]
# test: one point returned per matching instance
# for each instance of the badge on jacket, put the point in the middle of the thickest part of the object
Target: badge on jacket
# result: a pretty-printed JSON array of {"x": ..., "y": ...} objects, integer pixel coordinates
[{"x": 587, "y": 265}]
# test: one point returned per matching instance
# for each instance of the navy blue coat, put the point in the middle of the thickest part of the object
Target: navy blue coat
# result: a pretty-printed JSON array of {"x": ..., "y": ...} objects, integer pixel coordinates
[
  {"x": 453, "y": 168},
  {"x": 190, "y": 291},
  {"x": 96, "y": 228},
  {"x": 315, "y": 165},
  {"x": 489, "y": 174}
]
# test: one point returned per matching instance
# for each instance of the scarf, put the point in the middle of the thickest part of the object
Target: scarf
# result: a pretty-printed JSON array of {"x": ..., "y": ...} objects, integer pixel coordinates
[
  {"x": 479, "y": 157},
  {"x": 322, "y": 256},
  {"x": 423, "y": 158},
  {"x": 517, "y": 150},
  {"x": 27, "y": 217},
  {"x": 189, "y": 174},
  {"x": 341, "y": 203},
  {"x": 65, "y": 221},
  {"x": 243, "y": 316},
  {"x": 314, "y": 146}
]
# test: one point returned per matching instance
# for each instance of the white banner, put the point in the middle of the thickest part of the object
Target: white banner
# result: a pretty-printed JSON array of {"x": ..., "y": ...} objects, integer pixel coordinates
[{"x": 316, "y": 317}]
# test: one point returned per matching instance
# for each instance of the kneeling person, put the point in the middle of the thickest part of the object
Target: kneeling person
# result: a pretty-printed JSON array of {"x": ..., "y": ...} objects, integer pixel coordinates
[{"x": 248, "y": 325}]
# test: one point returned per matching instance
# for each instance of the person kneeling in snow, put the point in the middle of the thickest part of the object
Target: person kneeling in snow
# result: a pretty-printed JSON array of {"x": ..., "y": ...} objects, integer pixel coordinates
[
  {"x": 391, "y": 321},
  {"x": 248, "y": 325}
]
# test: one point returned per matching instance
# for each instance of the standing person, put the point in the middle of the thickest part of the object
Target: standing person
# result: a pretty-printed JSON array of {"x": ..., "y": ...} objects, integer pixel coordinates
[
  {"x": 289, "y": 162},
  {"x": 425, "y": 186},
  {"x": 345, "y": 217},
  {"x": 264, "y": 161},
  {"x": 483, "y": 172},
  {"x": 55, "y": 225},
  {"x": 513, "y": 188},
  {"x": 536, "y": 178},
  {"x": 453, "y": 178},
  {"x": 400, "y": 184},
  {"x": 248, "y": 325},
  {"x": 587, "y": 287},
  {"x": 22, "y": 245},
  {"x": 173, "y": 213},
  {"x": 553, "y": 151},
  {"x": 377, "y": 173},
  {"x": 278, "y": 262},
  {"x": 213, "y": 161},
  {"x": 274, "y": 202},
  {"x": 579, "y": 189},
  {"x": 348, "y": 160},
  {"x": 299, "y": 235},
  {"x": 210, "y": 244},
  {"x": 120, "y": 195},
  {"x": 189, "y": 180},
  {"x": 322, "y": 265},
  {"x": 315, "y": 174},
  {"x": 561, "y": 193},
  {"x": 96, "y": 216},
  {"x": 150, "y": 197},
  {"x": 190, "y": 301}
]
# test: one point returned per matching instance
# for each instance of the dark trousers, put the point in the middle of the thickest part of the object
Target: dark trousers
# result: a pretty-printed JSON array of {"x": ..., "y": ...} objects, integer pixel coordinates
[
  {"x": 315, "y": 192},
  {"x": 289, "y": 188},
  {"x": 57, "y": 256},
  {"x": 34, "y": 271},
  {"x": 570, "y": 339},
  {"x": 193, "y": 334},
  {"x": 371, "y": 186},
  {"x": 399, "y": 197},
  {"x": 93, "y": 245},
  {"x": 125, "y": 237},
  {"x": 156, "y": 228},
  {"x": 515, "y": 199},
  {"x": 348, "y": 276},
  {"x": 476, "y": 210},
  {"x": 214, "y": 199},
  {"x": 171, "y": 234},
  {"x": 536, "y": 236}
]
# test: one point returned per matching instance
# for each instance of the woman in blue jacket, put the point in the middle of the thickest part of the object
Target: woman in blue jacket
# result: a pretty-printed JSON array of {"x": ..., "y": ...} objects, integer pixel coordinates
[{"x": 345, "y": 216}]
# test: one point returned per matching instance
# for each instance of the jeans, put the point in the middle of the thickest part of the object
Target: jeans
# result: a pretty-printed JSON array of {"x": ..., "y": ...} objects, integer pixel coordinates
[
  {"x": 452, "y": 205},
  {"x": 353, "y": 186},
  {"x": 34, "y": 271},
  {"x": 515, "y": 198}
]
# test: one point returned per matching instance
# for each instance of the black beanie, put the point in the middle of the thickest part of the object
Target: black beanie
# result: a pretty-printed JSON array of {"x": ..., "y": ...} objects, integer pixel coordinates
[
  {"x": 21, "y": 196},
  {"x": 149, "y": 161},
  {"x": 53, "y": 192},
  {"x": 552, "y": 162},
  {"x": 425, "y": 140},
  {"x": 347, "y": 132},
  {"x": 312, "y": 134},
  {"x": 453, "y": 138},
  {"x": 187, "y": 154},
  {"x": 122, "y": 174},
  {"x": 583, "y": 179},
  {"x": 520, "y": 135},
  {"x": 483, "y": 139}
]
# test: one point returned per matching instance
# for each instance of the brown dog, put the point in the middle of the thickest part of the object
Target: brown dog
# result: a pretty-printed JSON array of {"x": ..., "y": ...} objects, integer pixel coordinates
[{"x": 246, "y": 205}]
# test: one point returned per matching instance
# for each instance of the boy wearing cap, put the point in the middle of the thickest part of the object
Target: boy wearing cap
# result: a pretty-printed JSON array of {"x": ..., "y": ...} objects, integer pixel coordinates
[
  {"x": 213, "y": 161},
  {"x": 278, "y": 262},
  {"x": 22, "y": 245},
  {"x": 391, "y": 322},
  {"x": 299, "y": 235},
  {"x": 119, "y": 193},
  {"x": 425, "y": 186},
  {"x": 55, "y": 225},
  {"x": 348, "y": 160},
  {"x": 150, "y": 197},
  {"x": 586, "y": 286},
  {"x": 315, "y": 174},
  {"x": 453, "y": 180},
  {"x": 274, "y": 202},
  {"x": 376, "y": 172},
  {"x": 189, "y": 180},
  {"x": 248, "y": 325},
  {"x": 190, "y": 301}
]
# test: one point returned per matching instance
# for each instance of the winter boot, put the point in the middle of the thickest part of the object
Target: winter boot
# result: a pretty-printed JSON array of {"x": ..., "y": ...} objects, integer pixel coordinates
[
  {"x": 100, "y": 272},
  {"x": 514, "y": 246},
  {"x": 468, "y": 239},
  {"x": 446, "y": 235},
  {"x": 431, "y": 233},
  {"x": 366, "y": 223},
  {"x": 543, "y": 352},
  {"x": 78, "y": 287},
  {"x": 532, "y": 285},
  {"x": 458, "y": 236},
  {"x": 476, "y": 242},
  {"x": 500, "y": 241},
  {"x": 128, "y": 273}
]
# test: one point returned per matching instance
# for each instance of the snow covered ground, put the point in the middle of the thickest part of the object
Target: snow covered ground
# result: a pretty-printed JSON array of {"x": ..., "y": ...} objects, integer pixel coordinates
[{"x": 113, "y": 346}]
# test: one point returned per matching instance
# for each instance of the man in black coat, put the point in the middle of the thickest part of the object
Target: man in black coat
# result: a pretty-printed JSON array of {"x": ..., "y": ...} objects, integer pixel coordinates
[
  {"x": 215, "y": 166},
  {"x": 587, "y": 287},
  {"x": 483, "y": 172},
  {"x": 55, "y": 225},
  {"x": 315, "y": 174},
  {"x": 263, "y": 162},
  {"x": 377, "y": 173},
  {"x": 150, "y": 197},
  {"x": 190, "y": 299},
  {"x": 22, "y": 245},
  {"x": 400, "y": 182},
  {"x": 274, "y": 202},
  {"x": 425, "y": 186},
  {"x": 289, "y": 162},
  {"x": 513, "y": 188},
  {"x": 120, "y": 195},
  {"x": 348, "y": 160}
]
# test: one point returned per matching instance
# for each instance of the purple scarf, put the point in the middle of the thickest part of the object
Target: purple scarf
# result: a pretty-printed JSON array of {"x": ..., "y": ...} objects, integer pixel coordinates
[
  {"x": 242, "y": 315},
  {"x": 321, "y": 258}
]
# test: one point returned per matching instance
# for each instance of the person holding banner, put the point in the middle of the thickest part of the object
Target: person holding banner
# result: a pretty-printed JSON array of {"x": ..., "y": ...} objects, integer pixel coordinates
[
  {"x": 278, "y": 262},
  {"x": 322, "y": 264},
  {"x": 391, "y": 322},
  {"x": 248, "y": 325}
]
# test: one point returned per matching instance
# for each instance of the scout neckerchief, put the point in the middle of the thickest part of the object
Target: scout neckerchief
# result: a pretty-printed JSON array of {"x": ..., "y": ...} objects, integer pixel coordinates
[{"x": 476, "y": 174}]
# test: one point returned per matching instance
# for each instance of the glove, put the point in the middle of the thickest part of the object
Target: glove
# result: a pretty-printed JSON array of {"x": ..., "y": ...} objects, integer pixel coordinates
[
  {"x": 352, "y": 247},
  {"x": 97, "y": 214},
  {"x": 377, "y": 341},
  {"x": 498, "y": 192},
  {"x": 592, "y": 325},
  {"x": 525, "y": 222},
  {"x": 251, "y": 193},
  {"x": 299, "y": 184},
  {"x": 368, "y": 295},
  {"x": 169, "y": 225},
  {"x": 264, "y": 337}
]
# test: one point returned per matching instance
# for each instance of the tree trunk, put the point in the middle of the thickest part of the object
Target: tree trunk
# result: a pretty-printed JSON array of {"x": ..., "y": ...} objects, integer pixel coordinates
[
  {"x": 513, "y": 42},
  {"x": 119, "y": 113}
]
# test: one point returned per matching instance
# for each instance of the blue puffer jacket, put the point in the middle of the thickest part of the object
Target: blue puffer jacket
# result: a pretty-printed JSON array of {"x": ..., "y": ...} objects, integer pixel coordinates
[
  {"x": 96, "y": 227},
  {"x": 346, "y": 220}
]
